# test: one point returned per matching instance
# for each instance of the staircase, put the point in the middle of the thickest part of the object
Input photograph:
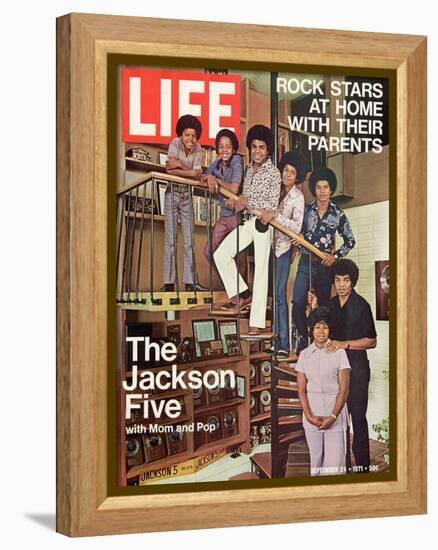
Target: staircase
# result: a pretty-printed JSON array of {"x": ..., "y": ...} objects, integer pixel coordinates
[{"x": 287, "y": 434}]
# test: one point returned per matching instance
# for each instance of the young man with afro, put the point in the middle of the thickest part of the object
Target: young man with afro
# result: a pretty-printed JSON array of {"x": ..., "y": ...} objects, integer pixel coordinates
[
  {"x": 185, "y": 160},
  {"x": 260, "y": 192},
  {"x": 225, "y": 172},
  {"x": 322, "y": 220}
]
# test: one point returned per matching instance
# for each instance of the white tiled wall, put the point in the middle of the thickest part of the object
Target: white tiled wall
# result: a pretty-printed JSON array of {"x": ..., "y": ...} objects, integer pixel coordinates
[{"x": 370, "y": 224}]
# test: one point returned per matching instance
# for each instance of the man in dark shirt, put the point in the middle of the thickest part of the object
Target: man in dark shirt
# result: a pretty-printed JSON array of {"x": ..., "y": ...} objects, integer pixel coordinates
[{"x": 353, "y": 330}]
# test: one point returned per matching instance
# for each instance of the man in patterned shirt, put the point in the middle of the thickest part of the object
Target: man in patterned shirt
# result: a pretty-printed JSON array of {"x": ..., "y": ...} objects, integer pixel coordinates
[
  {"x": 322, "y": 219},
  {"x": 261, "y": 192},
  {"x": 289, "y": 214}
]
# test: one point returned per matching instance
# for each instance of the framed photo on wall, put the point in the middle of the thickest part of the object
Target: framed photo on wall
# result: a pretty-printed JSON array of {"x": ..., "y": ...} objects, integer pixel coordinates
[
  {"x": 337, "y": 126},
  {"x": 204, "y": 330},
  {"x": 225, "y": 328}
]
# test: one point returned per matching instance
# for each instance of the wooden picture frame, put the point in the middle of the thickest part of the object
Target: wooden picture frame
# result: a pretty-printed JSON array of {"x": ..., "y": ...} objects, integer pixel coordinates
[
  {"x": 85, "y": 46},
  {"x": 210, "y": 333},
  {"x": 233, "y": 345},
  {"x": 225, "y": 327},
  {"x": 211, "y": 349},
  {"x": 162, "y": 158}
]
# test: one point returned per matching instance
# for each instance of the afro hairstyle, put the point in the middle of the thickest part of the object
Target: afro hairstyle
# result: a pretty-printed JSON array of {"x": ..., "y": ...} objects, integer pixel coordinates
[
  {"x": 297, "y": 160},
  {"x": 262, "y": 133},
  {"x": 188, "y": 121},
  {"x": 321, "y": 174},
  {"x": 344, "y": 266},
  {"x": 320, "y": 315},
  {"x": 229, "y": 134}
]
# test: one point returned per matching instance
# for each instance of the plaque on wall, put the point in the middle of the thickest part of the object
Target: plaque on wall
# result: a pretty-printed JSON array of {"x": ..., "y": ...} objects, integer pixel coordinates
[
  {"x": 382, "y": 290},
  {"x": 253, "y": 375},
  {"x": 265, "y": 401},
  {"x": 176, "y": 442},
  {"x": 265, "y": 371},
  {"x": 215, "y": 393},
  {"x": 134, "y": 452},
  {"x": 199, "y": 396},
  {"x": 253, "y": 405},
  {"x": 154, "y": 447},
  {"x": 229, "y": 423}
]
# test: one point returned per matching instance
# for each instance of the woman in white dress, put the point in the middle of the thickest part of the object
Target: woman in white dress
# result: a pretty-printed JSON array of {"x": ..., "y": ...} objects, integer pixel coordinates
[{"x": 323, "y": 381}]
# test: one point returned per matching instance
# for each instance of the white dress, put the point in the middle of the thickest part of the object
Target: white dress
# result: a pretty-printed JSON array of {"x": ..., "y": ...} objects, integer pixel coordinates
[{"x": 328, "y": 448}]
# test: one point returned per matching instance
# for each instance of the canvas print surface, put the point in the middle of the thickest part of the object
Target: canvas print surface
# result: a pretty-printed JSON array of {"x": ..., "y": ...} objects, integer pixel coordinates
[{"x": 252, "y": 276}]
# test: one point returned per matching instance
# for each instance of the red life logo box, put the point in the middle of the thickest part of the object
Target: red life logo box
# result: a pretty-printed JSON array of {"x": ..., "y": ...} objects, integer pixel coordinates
[{"x": 153, "y": 100}]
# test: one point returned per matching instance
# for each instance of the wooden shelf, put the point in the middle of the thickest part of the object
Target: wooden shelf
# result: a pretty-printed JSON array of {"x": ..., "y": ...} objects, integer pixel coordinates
[
  {"x": 222, "y": 443},
  {"x": 290, "y": 420},
  {"x": 260, "y": 388},
  {"x": 291, "y": 437},
  {"x": 182, "y": 457},
  {"x": 147, "y": 164},
  {"x": 260, "y": 355},
  {"x": 260, "y": 417},
  {"x": 163, "y": 463},
  {"x": 219, "y": 406},
  {"x": 213, "y": 362}
]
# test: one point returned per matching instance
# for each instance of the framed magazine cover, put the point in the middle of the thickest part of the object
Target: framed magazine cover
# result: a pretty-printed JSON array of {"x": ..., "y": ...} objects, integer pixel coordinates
[{"x": 111, "y": 480}]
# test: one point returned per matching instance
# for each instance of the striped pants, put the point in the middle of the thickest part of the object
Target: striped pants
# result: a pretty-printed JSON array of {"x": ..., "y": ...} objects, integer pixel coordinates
[{"x": 181, "y": 205}]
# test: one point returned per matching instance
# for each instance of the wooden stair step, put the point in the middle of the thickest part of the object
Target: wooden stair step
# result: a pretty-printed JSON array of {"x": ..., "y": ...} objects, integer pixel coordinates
[
  {"x": 291, "y": 358},
  {"x": 263, "y": 464},
  {"x": 215, "y": 312},
  {"x": 260, "y": 417},
  {"x": 287, "y": 371},
  {"x": 261, "y": 336},
  {"x": 291, "y": 437},
  {"x": 290, "y": 420},
  {"x": 298, "y": 460},
  {"x": 286, "y": 385},
  {"x": 299, "y": 447},
  {"x": 285, "y": 410},
  {"x": 243, "y": 476},
  {"x": 297, "y": 470},
  {"x": 287, "y": 403}
]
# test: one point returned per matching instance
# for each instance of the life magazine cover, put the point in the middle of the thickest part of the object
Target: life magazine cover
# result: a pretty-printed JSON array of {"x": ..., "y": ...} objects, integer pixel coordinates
[{"x": 252, "y": 272}]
